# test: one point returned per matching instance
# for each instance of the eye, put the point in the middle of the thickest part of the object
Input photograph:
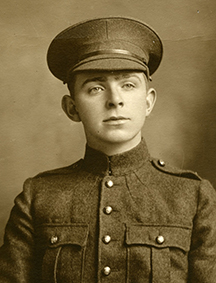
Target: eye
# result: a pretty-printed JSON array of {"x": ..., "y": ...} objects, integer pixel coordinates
[
  {"x": 96, "y": 89},
  {"x": 129, "y": 86}
]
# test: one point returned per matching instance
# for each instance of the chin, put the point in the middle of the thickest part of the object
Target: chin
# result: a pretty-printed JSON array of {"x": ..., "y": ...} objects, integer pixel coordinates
[{"x": 119, "y": 138}]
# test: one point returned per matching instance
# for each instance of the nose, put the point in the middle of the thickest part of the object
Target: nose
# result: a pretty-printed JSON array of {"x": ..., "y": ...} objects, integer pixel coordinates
[{"x": 114, "y": 99}]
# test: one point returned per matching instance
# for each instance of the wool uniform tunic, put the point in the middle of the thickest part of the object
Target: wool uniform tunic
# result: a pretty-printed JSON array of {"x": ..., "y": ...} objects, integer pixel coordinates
[{"x": 125, "y": 219}]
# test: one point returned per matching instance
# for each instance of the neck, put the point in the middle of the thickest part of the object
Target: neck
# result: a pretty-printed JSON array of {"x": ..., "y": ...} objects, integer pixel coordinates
[{"x": 113, "y": 148}]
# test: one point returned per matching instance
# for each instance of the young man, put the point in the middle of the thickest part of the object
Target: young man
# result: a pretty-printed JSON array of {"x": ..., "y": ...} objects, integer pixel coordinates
[{"x": 117, "y": 215}]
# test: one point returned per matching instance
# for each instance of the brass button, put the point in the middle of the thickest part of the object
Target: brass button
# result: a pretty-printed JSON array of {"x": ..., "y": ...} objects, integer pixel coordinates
[
  {"x": 53, "y": 240},
  {"x": 106, "y": 239},
  {"x": 161, "y": 163},
  {"x": 160, "y": 240},
  {"x": 108, "y": 209},
  {"x": 109, "y": 184},
  {"x": 106, "y": 270}
]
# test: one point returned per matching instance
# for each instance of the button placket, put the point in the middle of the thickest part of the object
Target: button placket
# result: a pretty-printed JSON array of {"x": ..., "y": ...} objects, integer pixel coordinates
[{"x": 110, "y": 232}]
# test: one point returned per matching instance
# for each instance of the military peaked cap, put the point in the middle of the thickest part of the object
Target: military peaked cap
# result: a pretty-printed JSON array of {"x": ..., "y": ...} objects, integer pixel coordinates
[{"x": 112, "y": 43}]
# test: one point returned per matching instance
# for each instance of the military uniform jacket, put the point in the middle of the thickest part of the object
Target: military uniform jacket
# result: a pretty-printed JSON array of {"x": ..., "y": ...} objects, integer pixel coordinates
[{"x": 123, "y": 219}]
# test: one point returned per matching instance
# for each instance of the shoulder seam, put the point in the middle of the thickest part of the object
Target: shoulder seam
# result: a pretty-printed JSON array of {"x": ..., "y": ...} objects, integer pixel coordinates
[
  {"x": 161, "y": 166},
  {"x": 60, "y": 170}
]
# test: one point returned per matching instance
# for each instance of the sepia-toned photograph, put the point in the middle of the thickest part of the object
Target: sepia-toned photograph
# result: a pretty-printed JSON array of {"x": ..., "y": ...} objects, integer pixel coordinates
[{"x": 108, "y": 141}]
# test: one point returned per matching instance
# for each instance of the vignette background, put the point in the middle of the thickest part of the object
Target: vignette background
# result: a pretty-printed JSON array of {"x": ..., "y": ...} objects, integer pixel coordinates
[{"x": 35, "y": 134}]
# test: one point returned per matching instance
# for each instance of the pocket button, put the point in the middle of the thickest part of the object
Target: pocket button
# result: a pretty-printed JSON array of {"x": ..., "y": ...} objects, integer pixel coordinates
[
  {"x": 53, "y": 240},
  {"x": 160, "y": 239}
]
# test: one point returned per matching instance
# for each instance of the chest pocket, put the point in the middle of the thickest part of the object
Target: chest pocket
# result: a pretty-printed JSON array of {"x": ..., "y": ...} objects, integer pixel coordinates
[
  {"x": 156, "y": 252},
  {"x": 64, "y": 250}
]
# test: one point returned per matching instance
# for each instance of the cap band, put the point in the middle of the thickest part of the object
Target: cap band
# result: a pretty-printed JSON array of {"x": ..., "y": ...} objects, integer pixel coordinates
[
  {"x": 109, "y": 52},
  {"x": 114, "y": 51}
]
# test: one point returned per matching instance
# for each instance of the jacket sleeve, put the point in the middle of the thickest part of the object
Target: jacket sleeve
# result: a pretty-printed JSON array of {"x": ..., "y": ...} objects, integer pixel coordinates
[
  {"x": 202, "y": 256},
  {"x": 17, "y": 252}
]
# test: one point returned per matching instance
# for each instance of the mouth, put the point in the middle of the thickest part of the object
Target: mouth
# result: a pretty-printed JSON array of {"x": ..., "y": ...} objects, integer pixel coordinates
[{"x": 116, "y": 118}]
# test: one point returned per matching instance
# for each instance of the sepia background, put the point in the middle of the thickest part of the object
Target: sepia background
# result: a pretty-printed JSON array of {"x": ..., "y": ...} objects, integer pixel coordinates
[{"x": 35, "y": 134}]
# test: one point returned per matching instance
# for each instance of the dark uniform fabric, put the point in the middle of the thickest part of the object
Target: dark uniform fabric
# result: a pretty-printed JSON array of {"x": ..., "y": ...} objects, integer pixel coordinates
[{"x": 125, "y": 218}]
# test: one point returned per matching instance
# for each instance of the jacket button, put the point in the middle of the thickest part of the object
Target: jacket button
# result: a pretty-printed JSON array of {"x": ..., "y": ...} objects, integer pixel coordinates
[
  {"x": 108, "y": 209},
  {"x": 109, "y": 184},
  {"x": 53, "y": 240},
  {"x": 106, "y": 239},
  {"x": 160, "y": 240},
  {"x": 161, "y": 163},
  {"x": 106, "y": 270}
]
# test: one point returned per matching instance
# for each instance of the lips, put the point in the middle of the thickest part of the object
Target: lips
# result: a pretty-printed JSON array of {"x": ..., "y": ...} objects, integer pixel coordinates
[{"x": 115, "y": 118}]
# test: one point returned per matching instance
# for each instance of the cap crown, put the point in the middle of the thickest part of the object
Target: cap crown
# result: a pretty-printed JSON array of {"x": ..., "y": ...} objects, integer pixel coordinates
[{"x": 113, "y": 43}]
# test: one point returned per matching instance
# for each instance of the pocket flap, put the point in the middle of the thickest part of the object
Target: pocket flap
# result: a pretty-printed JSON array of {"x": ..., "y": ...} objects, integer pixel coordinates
[
  {"x": 54, "y": 235},
  {"x": 159, "y": 236}
]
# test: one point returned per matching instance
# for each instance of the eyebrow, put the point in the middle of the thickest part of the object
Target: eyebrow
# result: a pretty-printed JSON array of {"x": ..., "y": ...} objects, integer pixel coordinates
[
  {"x": 104, "y": 79},
  {"x": 94, "y": 79},
  {"x": 126, "y": 76}
]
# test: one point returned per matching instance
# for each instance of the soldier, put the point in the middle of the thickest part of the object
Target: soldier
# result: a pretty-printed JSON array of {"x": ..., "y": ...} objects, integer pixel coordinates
[{"x": 117, "y": 215}]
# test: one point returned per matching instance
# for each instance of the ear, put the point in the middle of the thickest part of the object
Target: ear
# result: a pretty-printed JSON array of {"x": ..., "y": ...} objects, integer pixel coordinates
[
  {"x": 68, "y": 105},
  {"x": 151, "y": 97}
]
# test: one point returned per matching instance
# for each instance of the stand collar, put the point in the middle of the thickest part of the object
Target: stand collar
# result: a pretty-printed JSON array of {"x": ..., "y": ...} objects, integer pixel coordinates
[{"x": 99, "y": 163}]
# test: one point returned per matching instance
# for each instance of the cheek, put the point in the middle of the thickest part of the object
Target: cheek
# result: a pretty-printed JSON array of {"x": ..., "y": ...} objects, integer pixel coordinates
[
  {"x": 88, "y": 112},
  {"x": 139, "y": 114},
  {"x": 139, "y": 109}
]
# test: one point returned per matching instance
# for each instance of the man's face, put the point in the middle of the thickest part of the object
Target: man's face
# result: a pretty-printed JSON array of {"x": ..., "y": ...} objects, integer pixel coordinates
[{"x": 112, "y": 106}]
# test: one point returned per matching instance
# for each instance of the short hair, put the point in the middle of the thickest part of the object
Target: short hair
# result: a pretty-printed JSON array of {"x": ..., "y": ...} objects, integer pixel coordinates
[{"x": 71, "y": 85}]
